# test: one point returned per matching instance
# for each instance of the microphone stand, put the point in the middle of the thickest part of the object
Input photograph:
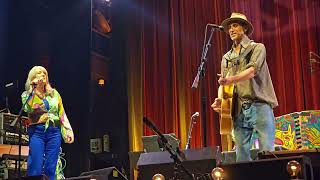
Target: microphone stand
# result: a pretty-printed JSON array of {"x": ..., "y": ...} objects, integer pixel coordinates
[
  {"x": 192, "y": 122},
  {"x": 201, "y": 74},
  {"x": 174, "y": 153},
  {"x": 18, "y": 120}
]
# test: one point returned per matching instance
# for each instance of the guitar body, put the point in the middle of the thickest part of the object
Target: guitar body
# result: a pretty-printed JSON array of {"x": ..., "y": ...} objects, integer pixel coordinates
[{"x": 226, "y": 122}]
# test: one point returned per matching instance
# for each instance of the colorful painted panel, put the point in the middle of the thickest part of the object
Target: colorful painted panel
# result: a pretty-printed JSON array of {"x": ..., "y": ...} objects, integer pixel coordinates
[
  {"x": 285, "y": 132},
  {"x": 310, "y": 129},
  {"x": 299, "y": 130}
]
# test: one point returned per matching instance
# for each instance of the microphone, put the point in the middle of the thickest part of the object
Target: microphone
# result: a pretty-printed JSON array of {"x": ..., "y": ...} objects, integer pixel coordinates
[
  {"x": 216, "y": 26},
  {"x": 310, "y": 61},
  {"x": 8, "y": 85},
  {"x": 313, "y": 60},
  {"x": 196, "y": 114},
  {"x": 36, "y": 83}
]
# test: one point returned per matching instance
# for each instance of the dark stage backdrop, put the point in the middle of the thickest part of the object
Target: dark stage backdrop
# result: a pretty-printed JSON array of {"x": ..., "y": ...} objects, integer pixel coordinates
[
  {"x": 165, "y": 40},
  {"x": 3, "y": 40}
]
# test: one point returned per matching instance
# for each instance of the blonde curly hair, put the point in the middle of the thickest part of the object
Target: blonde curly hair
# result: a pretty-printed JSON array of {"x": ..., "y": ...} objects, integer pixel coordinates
[{"x": 32, "y": 74}]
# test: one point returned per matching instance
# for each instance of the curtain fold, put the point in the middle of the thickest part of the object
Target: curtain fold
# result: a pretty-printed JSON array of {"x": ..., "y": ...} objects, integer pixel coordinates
[{"x": 165, "y": 47}]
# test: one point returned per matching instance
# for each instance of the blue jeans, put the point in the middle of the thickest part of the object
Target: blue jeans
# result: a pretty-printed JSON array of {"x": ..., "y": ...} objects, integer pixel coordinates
[
  {"x": 256, "y": 117},
  {"x": 44, "y": 148}
]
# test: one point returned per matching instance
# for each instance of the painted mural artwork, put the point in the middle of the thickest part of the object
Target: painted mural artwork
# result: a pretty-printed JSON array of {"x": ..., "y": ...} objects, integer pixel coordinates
[
  {"x": 310, "y": 125},
  {"x": 285, "y": 134},
  {"x": 287, "y": 130}
]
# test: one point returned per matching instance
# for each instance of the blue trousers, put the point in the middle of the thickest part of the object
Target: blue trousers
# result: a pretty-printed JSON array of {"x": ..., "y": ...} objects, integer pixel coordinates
[
  {"x": 255, "y": 117},
  {"x": 44, "y": 148}
]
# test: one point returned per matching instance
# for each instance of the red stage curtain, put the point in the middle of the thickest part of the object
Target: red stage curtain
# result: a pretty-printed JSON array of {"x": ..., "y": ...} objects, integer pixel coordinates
[{"x": 164, "y": 45}]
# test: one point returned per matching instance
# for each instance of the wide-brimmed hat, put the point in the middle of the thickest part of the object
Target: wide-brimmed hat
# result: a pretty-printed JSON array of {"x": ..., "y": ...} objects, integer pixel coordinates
[{"x": 237, "y": 17}]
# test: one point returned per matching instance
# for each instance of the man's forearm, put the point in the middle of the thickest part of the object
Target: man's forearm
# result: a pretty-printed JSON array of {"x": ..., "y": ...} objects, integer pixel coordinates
[{"x": 244, "y": 75}]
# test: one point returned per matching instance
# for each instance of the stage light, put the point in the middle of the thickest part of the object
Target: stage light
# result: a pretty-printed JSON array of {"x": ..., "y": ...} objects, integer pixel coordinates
[
  {"x": 101, "y": 82},
  {"x": 108, "y": 2},
  {"x": 293, "y": 168},
  {"x": 158, "y": 177},
  {"x": 217, "y": 173}
]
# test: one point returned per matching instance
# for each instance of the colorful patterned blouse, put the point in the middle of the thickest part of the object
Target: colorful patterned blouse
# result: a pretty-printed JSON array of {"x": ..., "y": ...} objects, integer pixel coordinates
[{"x": 46, "y": 110}]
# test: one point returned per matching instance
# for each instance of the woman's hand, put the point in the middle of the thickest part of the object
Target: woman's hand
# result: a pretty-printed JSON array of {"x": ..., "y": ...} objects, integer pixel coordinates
[
  {"x": 70, "y": 137},
  {"x": 38, "y": 81},
  {"x": 70, "y": 140}
]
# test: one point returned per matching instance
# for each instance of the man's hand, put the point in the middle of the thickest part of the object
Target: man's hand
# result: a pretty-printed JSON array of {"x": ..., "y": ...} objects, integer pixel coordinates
[
  {"x": 216, "y": 105},
  {"x": 225, "y": 80}
]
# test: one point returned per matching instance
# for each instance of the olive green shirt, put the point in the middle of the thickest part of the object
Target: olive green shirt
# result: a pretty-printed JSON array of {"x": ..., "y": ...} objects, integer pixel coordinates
[{"x": 260, "y": 87}]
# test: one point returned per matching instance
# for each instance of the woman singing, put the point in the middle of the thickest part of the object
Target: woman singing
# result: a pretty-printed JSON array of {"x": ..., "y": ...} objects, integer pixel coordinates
[{"x": 48, "y": 123}]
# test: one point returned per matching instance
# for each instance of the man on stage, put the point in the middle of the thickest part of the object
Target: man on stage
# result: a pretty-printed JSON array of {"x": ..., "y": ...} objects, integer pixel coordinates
[{"x": 245, "y": 66}]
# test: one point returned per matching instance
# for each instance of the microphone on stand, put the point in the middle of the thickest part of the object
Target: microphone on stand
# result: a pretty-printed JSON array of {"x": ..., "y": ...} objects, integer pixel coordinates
[
  {"x": 196, "y": 114},
  {"x": 7, "y": 86},
  {"x": 310, "y": 62},
  {"x": 215, "y": 26}
]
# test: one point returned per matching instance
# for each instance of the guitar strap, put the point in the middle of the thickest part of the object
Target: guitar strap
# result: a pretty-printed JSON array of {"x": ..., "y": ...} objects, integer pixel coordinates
[
  {"x": 248, "y": 51},
  {"x": 246, "y": 54}
]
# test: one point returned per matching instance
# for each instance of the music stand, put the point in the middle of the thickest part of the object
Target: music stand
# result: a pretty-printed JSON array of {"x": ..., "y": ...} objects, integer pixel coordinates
[{"x": 152, "y": 144}]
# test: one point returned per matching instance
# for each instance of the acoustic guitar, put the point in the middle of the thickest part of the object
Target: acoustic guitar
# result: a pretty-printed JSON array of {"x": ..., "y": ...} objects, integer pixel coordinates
[
  {"x": 226, "y": 122},
  {"x": 226, "y": 93},
  {"x": 226, "y": 109}
]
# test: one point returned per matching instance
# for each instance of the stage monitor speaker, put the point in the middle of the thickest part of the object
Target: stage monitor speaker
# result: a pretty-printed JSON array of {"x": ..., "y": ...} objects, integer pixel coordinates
[
  {"x": 197, "y": 161},
  {"x": 267, "y": 169},
  {"x": 110, "y": 173}
]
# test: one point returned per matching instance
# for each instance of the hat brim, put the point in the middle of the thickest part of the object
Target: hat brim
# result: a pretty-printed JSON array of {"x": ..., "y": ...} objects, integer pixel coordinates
[{"x": 228, "y": 21}]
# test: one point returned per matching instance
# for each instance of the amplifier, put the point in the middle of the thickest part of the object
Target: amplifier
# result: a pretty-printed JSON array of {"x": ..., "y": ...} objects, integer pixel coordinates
[{"x": 10, "y": 135}]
